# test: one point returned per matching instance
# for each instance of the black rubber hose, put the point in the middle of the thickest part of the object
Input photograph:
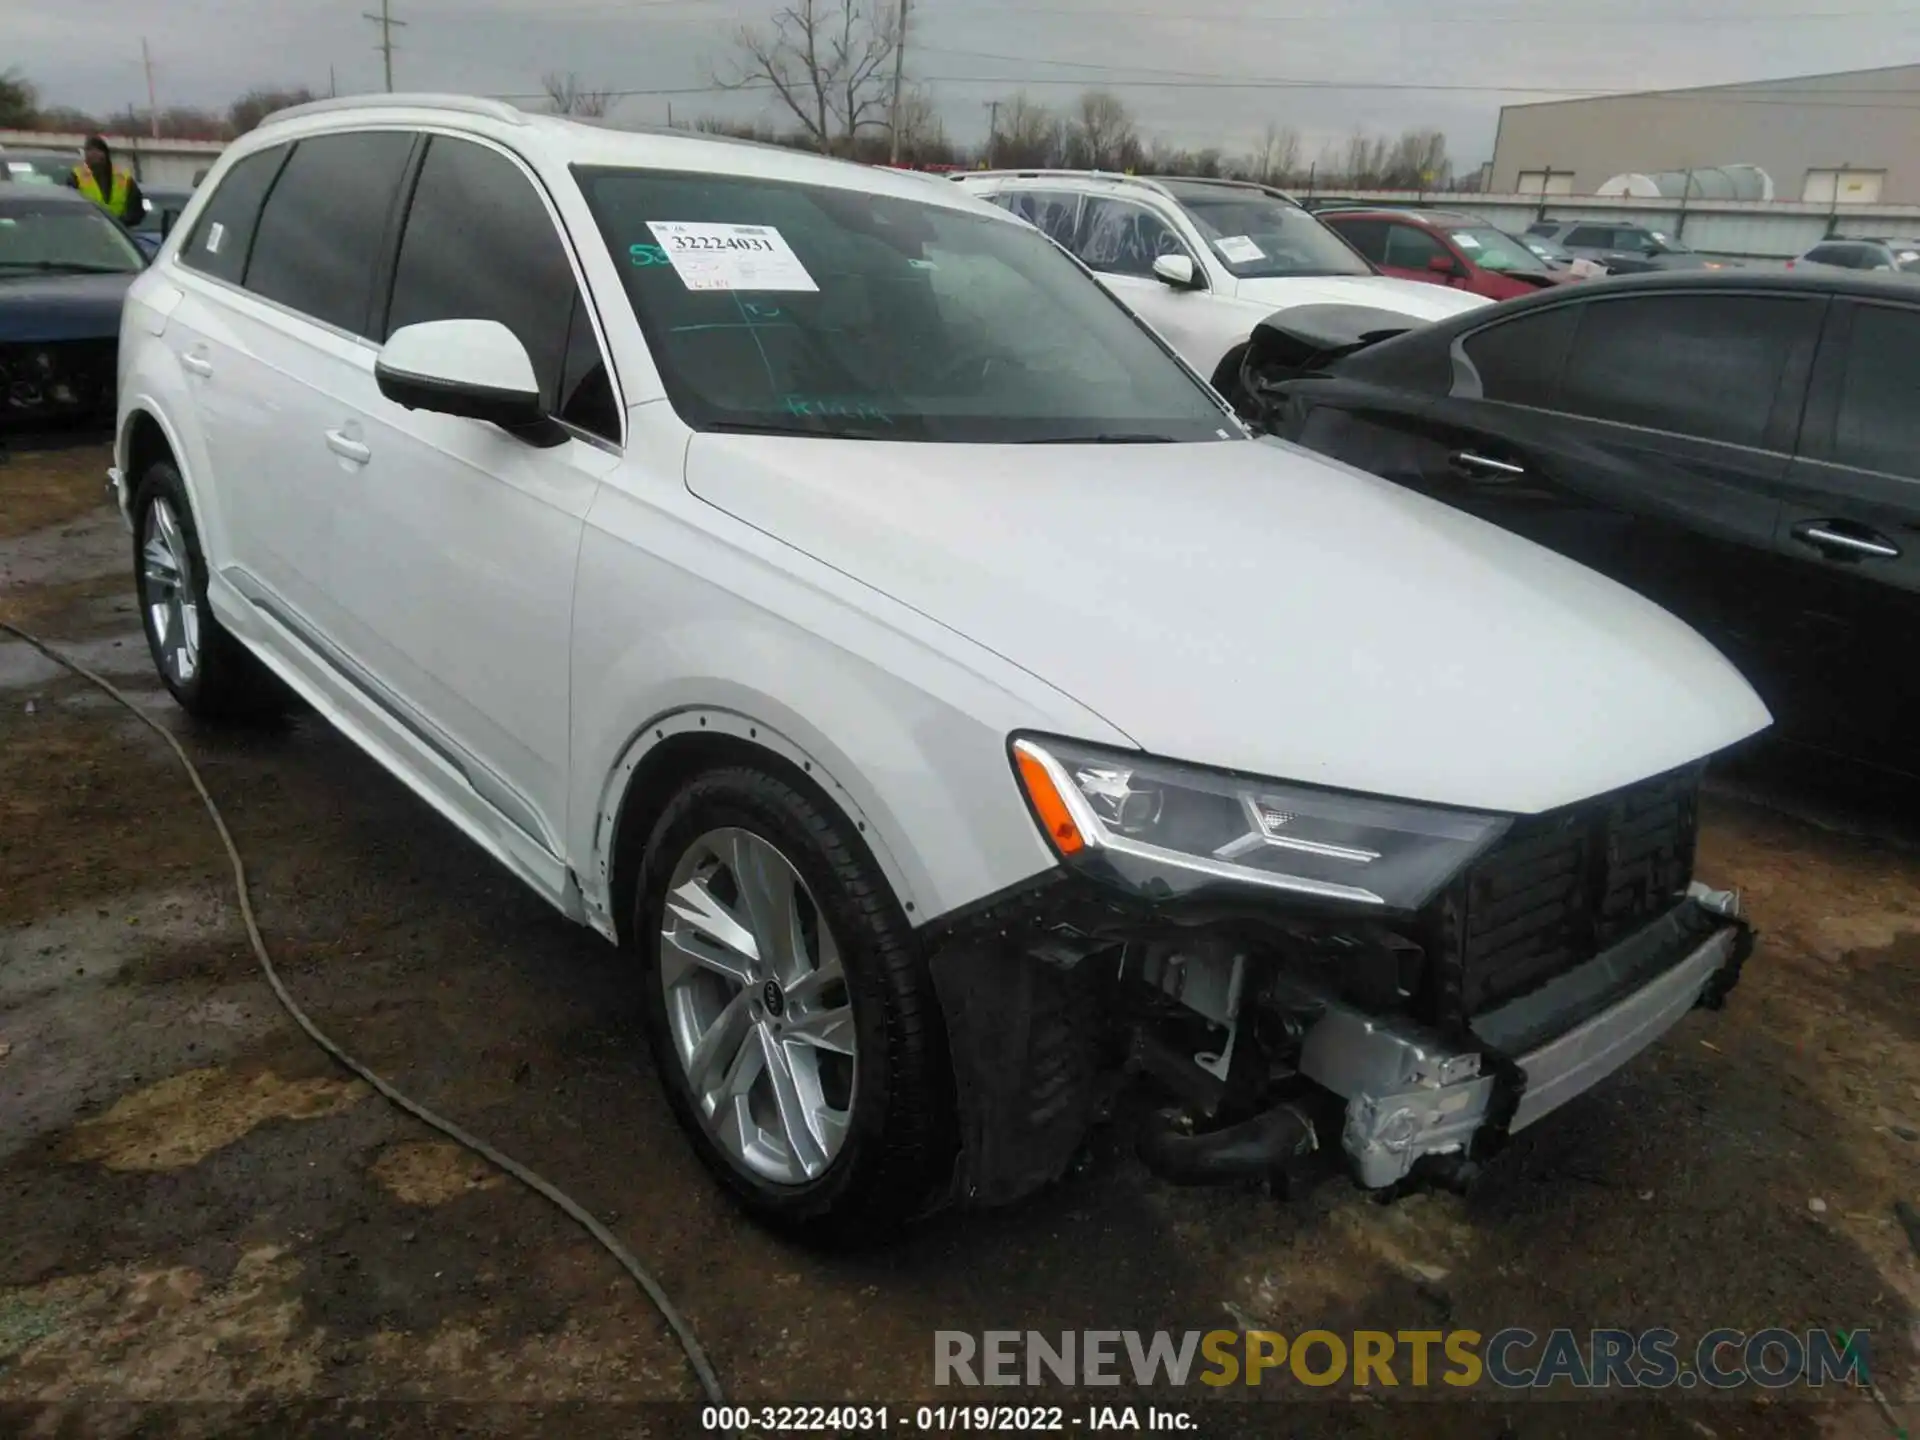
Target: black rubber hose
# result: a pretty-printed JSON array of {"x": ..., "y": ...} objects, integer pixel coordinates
[
  {"x": 1251, "y": 1150},
  {"x": 669, "y": 1312}
]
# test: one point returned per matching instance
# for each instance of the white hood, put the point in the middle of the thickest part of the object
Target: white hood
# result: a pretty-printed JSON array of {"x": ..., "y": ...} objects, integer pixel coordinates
[
  {"x": 1385, "y": 292},
  {"x": 1248, "y": 605}
]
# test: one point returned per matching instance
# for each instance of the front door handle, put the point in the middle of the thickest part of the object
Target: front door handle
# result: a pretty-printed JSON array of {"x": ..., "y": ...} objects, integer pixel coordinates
[
  {"x": 1838, "y": 544},
  {"x": 197, "y": 364},
  {"x": 348, "y": 448},
  {"x": 1486, "y": 467}
]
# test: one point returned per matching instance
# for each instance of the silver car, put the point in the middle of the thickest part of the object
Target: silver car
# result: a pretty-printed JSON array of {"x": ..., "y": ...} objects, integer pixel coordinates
[{"x": 1899, "y": 255}]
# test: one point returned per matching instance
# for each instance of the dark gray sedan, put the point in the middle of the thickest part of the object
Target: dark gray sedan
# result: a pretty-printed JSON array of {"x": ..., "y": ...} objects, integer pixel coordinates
[{"x": 1625, "y": 249}]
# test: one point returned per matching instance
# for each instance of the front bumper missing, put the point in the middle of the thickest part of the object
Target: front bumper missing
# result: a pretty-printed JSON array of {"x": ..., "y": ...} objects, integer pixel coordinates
[{"x": 1412, "y": 1093}]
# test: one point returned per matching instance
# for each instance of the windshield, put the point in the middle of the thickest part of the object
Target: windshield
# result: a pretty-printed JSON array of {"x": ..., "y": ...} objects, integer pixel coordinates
[
  {"x": 69, "y": 238},
  {"x": 1546, "y": 249},
  {"x": 1496, "y": 250},
  {"x": 38, "y": 169},
  {"x": 1258, "y": 237},
  {"x": 1666, "y": 242},
  {"x": 773, "y": 307}
]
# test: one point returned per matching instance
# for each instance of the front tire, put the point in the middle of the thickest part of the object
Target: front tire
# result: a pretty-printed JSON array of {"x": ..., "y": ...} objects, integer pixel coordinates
[
  {"x": 790, "y": 1012},
  {"x": 211, "y": 674}
]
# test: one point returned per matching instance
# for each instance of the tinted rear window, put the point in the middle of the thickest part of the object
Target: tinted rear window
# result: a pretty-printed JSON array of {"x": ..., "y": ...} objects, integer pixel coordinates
[
  {"x": 1879, "y": 422},
  {"x": 224, "y": 233},
  {"x": 1519, "y": 361},
  {"x": 1707, "y": 366},
  {"x": 320, "y": 235},
  {"x": 1052, "y": 213},
  {"x": 1369, "y": 237}
]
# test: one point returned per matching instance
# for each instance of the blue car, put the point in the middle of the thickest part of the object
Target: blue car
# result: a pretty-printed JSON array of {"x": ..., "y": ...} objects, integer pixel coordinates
[
  {"x": 163, "y": 210},
  {"x": 64, "y": 271}
]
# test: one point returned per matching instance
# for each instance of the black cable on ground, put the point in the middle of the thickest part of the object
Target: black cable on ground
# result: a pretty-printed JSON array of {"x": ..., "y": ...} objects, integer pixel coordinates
[{"x": 676, "y": 1322}]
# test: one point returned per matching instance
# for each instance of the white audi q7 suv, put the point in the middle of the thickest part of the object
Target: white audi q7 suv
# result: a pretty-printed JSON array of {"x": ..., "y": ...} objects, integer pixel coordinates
[
  {"x": 813, "y": 580},
  {"x": 1204, "y": 262}
]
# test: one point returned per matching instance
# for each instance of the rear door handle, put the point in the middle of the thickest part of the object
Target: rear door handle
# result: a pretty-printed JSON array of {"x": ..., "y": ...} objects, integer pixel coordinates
[
  {"x": 348, "y": 448},
  {"x": 1844, "y": 544},
  {"x": 196, "y": 363},
  {"x": 1486, "y": 467}
]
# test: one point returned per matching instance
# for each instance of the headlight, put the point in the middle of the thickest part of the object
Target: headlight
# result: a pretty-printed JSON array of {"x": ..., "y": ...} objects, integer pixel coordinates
[{"x": 1166, "y": 829}]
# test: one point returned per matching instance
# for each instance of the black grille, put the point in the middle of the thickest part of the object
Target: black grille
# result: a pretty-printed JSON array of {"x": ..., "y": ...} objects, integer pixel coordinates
[
  {"x": 1558, "y": 889},
  {"x": 57, "y": 380}
]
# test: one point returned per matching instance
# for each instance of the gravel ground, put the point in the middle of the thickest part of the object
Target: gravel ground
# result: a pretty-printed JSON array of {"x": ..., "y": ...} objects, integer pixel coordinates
[{"x": 202, "y": 1221}]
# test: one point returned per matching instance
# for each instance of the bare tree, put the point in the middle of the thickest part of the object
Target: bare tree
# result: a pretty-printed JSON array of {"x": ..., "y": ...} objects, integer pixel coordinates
[
  {"x": 1417, "y": 161},
  {"x": 1029, "y": 134},
  {"x": 923, "y": 134},
  {"x": 1366, "y": 160},
  {"x": 69, "y": 119},
  {"x": 1278, "y": 158},
  {"x": 1101, "y": 135},
  {"x": 826, "y": 60},
  {"x": 261, "y": 101},
  {"x": 19, "y": 101},
  {"x": 569, "y": 97}
]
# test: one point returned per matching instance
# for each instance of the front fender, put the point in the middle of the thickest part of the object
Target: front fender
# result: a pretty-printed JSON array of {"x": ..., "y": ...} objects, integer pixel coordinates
[{"x": 683, "y": 615}]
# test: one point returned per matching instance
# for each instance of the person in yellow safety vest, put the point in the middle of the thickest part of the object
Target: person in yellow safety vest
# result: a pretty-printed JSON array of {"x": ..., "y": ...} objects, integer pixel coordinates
[{"x": 109, "y": 186}]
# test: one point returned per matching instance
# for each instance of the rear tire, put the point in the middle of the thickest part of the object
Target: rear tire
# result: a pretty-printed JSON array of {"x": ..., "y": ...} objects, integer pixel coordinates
[
  {"x": 739, "y": 1018},
  {"x": 211, "y": 674}
]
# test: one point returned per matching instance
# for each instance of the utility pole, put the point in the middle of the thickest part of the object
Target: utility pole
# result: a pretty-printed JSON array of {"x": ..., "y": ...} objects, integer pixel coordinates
[
  {"x": 387, "y": 25},
  {"x": 993, "y": 129},
  {"x": 899, "y": 62},
  {"x": 153, "y": 105},
  {"x": 333, "y": 87}
]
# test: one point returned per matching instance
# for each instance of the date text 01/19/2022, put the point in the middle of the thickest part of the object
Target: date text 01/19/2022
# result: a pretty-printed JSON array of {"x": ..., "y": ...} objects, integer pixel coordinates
[{"x": 941, "y": 1419}]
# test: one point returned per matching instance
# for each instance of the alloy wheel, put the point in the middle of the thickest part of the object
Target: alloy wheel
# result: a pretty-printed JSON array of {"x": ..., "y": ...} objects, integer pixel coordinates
[
  {"x": 173, "y": 613},
  {"x": 758, "y": 1006}
]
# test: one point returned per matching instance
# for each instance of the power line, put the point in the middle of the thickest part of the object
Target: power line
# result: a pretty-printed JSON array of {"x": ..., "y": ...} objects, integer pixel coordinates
[
  {"x": 1834, "y": 99},
  {"x": 1512, "y": 17}
]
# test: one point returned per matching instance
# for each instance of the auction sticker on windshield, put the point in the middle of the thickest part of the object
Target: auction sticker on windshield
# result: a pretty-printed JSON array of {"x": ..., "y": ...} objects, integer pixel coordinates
[
  {"x": 1239, "y": 250},
  {"x": 731, "y": 257}
]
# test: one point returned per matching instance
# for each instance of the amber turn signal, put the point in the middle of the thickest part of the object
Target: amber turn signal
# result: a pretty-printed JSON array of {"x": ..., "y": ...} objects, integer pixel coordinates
[{"x": 1047, "y": 802}]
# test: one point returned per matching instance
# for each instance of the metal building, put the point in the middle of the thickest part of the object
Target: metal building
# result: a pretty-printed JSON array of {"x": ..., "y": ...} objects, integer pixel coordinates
[{"x": 1851, "y": 137}]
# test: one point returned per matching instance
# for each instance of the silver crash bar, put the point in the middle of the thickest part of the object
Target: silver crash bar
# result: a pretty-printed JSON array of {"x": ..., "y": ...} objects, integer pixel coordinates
[{"x": 1410, "y": 1093}]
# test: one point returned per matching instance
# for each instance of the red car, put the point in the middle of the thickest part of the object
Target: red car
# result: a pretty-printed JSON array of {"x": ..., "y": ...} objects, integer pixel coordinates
[{"x": 1446, "y": 249}]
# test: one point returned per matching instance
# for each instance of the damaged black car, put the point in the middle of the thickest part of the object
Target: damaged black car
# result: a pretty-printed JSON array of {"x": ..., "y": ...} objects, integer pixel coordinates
[{"x": 64, "y": 272}]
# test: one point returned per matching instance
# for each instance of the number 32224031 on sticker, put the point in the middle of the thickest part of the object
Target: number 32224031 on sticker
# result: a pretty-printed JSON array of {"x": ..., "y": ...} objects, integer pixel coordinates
[{"x": 731, "y": 257}]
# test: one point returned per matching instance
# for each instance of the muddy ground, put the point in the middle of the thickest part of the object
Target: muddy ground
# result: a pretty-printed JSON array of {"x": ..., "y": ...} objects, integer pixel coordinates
[{"x": 202, "y": 1221}]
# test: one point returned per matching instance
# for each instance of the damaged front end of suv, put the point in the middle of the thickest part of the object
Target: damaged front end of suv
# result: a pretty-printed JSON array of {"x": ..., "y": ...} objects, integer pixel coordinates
[{"x": 1311, "y": 971}]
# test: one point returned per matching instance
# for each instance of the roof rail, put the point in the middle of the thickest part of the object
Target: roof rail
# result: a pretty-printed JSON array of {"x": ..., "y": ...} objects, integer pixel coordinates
[
  {"x": 1036, "y": 172},
  {"x": 1150, "y": 182},
  {"x": 466, "y": 104},
  {"x": 1260, "y": 186}
]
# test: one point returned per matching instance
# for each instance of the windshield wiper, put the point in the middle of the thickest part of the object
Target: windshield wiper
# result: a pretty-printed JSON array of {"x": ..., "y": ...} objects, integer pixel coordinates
[
  {"x": 1110, "y": 438},
  {"x": 63, "y": 267},
  {"x": 747, "y": 427}
]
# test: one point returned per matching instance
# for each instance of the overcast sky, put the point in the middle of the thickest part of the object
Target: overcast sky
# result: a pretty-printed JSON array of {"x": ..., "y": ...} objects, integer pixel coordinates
[{"x": 967, "y": 52}]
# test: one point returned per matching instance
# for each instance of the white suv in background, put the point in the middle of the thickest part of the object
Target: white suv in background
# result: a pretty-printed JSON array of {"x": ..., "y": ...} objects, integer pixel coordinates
[
  {"x": 1204, "y": 261},
  {"x": 812, "y": 580}
]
